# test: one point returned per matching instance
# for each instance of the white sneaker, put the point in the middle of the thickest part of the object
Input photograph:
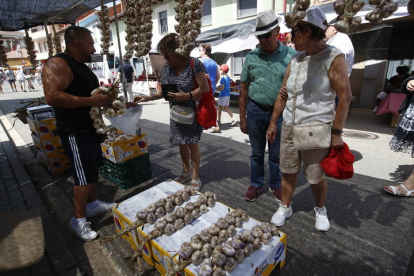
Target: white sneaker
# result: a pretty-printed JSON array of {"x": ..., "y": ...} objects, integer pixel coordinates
[
  {"x": 102, "y": 207},
  {"x": 375, "y": 109},
  {"x": 282, "y": 214},
  {"x": 83, "y": 230},
  {"x": 322, "y": 222},
  {"x": 233, "y": 122}
]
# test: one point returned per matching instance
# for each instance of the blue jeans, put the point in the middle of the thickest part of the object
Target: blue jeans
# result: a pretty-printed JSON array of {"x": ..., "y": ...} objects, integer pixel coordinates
[{"x": 257, "y": 124}]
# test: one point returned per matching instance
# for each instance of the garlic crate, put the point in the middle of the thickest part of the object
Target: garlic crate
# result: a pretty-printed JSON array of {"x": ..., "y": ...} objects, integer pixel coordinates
[{"x": 129, "y": 211}]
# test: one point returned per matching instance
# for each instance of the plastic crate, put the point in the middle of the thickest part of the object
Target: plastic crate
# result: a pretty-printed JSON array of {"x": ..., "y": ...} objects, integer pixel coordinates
[{"x": 129, "y": 173}]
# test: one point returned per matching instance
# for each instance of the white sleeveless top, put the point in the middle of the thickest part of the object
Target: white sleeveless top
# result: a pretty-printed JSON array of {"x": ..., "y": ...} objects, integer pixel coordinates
[{"x": 309, "y": 77}]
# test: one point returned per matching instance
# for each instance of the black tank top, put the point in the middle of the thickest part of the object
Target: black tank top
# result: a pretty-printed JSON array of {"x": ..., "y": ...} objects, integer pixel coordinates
[{"x": 84, "y": 82}]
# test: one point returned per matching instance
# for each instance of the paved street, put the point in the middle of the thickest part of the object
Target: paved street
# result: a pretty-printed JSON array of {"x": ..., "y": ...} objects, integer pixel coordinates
[{"x": 371, "y": 233}]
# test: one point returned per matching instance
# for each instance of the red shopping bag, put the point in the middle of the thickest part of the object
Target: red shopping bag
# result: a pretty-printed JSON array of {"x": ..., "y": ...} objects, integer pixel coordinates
[
  {"x": 206, "y": 111},
  {"x": 339, "y": 163}
]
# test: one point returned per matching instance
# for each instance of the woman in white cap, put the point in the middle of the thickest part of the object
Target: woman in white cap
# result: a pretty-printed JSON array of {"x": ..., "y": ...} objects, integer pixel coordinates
[{"x": 307, "y": 97}]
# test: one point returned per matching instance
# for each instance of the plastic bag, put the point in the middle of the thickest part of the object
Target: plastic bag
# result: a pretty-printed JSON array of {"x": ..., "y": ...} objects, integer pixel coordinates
[
  {"x": 128, "y": 122},
  {"x": 339, "y": 163}
]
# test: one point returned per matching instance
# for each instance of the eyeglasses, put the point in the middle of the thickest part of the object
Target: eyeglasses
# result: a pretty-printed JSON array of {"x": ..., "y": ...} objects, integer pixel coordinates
[
  {"x": 166, "y": 56},
  {"x": 265, "y": 36},
  {"x": 293, "y": 33}
]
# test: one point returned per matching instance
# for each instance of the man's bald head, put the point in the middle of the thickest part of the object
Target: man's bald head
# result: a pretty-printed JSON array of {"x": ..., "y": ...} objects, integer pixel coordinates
[{"x": 75, "y": 33}]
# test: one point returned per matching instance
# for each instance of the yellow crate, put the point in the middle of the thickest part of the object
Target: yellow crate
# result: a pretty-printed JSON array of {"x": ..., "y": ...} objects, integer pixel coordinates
[
  {"x": 43, "y": 128},
  {"x": 120, "y": 151}
]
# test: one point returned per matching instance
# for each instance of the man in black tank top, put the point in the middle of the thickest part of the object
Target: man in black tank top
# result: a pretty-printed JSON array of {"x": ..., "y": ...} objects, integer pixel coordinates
[{"x": 68, "y": 83}]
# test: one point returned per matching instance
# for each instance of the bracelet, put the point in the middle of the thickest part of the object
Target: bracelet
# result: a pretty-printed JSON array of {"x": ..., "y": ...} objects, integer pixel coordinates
[
  {"x": 191, "y": 95},
  {"x": 336, "y": 131},
  {"x": 273, "y": 120}
]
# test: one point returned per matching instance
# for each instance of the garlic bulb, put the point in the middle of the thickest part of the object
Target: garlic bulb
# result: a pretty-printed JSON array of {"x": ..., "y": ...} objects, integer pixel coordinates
[
  {"x": 189, "y": 207},
  {"x": 196, "y": 244},
  {"x": 195, "y": 213},
  {"x": 104, "y": 25},
  {"x": 185, "y": 195},
  {"x": 171, "y": 217},
  {"x": 205, "y": 270},
  {"x": 188, "y": 218},
  {"x": 211, "y": 202},
  {"x": 298, "y": 13},
  {"x": 196, "y": 257},
  {"x": 230, "y": 230},
  {"x": 151, "y": 218},
  {"x": 205, "y": 236},
  {"x": 239, "y": 255},
  {"x": 218, "y": 259},
  {"x": 206, "y": 250},
  {"x": 214, "y": 230},
  {"x": 179, "y": 224},
  {"x": 169, "y": 229},
  {"x": 180, "y": 212},
  {"x": 238, "y": 222},
  {"x": 185, "y": 251},
  {"x": 142, "y": 215},
  {"x": 229, "y": 251},
  {"x": 203, "y": 209},
  {"x": 230, "y": 264},
  {"x": 218, "y": 271},
  {"x": 160, "y": 225},
  {"x": 248, "y": 249},
  {"x": 257, "y": 243},
  {"x": 178, "y": 200},
  {"x": 214, "y": 241},
  {"x": 222, "y": 223},
  {"x": 159, "y": 212}
]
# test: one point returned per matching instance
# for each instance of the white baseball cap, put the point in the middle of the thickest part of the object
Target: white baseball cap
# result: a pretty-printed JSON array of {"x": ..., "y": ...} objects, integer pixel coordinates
[{"x": 315, "y": 16}]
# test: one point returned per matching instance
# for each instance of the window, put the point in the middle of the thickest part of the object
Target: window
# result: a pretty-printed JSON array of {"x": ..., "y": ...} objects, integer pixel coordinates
[
  {"x": 206, "y": 19},
  {"x": 41, "y": 49},
  {"x": 45, "y": 46},
  {"x": 238, "y": 61},
  {"x": 247, "y": 8},
  {"x": 163, "y": 22},
  {"x": 110, "y": 36}
]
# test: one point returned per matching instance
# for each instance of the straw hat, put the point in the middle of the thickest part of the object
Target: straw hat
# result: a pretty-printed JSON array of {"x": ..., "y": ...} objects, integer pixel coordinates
[
  {"x": 316, "y": 16},
  {"x": 266, "y": 21}
]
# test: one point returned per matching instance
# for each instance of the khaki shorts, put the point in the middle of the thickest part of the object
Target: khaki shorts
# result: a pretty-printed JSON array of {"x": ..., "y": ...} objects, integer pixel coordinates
[{"x": 291, "y": 158}]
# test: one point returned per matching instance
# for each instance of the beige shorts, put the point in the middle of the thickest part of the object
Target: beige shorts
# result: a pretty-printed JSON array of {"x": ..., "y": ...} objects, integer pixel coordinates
[{"x": 291, "y": 158}]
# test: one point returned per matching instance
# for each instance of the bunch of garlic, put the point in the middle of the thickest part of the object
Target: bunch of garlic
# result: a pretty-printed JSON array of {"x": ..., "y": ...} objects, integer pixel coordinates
[
  {"x": 188, "y": 16},
  {"x": 118, "y": 107},
  {"x": 3, "y": 56},
  {"x": 30, "y": 48},
  {"x": 143, "y": 27},
  {"x": 298, "y": 13},
  {"x": 383, "y": 9},
  {"x": 225, "y": 257},
  {"x": 104, "y": 26},
  {"x": 208, "y": 244},
  {"x": 56, "y": 40},
  {"x": 347, "y": 21},
  {"x": 114, "y": 136},
  {"x": 165, "y": 205},
  {"x": 131, "y": 30}
]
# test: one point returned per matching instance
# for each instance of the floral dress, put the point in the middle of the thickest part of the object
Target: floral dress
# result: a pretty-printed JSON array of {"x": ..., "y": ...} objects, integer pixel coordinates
[
  {"x": 182, "y": 134},
  {"x": 403, "y": 139}
]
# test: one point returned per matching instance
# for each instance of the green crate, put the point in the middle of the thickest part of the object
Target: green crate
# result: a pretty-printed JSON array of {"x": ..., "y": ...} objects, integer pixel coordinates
[{"x": 129, "y": 173}]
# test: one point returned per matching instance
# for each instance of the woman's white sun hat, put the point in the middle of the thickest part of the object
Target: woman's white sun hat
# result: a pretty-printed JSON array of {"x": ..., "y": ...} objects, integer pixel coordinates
[{"x": 266, "y": 21}]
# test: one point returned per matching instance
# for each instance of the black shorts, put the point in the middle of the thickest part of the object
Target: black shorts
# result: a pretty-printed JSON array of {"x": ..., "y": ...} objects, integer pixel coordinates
[{"x": 85, "y": 155}]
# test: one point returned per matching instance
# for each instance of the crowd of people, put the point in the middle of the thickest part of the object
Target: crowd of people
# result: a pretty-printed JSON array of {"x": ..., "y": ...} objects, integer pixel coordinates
[
  {"x": 286, "y": 88},
  {"x": 25, "y": 80}
]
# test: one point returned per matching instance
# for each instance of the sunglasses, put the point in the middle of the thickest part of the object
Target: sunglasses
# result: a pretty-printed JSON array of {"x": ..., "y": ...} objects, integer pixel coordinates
[
  {"x": 166, "y": 56},
  {"x": 265, "y": 36},
  {"x": 293, "y": 33}
]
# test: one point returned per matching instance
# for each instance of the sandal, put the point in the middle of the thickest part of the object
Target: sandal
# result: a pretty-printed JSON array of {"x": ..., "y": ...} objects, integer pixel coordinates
[
  {"x": 196, "y": 184},
  {"x": 184, "y": 177},
  {"x": 394, "y": 191}
]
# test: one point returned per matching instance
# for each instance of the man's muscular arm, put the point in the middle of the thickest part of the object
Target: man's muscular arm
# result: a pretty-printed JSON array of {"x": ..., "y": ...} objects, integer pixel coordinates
[{"x": 57, "y": 76}]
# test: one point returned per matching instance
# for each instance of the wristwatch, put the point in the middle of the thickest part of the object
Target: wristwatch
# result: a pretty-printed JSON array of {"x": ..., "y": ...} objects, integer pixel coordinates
[{"x": 336, "y": 131}]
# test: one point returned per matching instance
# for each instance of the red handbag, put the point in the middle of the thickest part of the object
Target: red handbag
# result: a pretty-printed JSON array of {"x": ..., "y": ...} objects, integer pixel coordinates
[
  {"x": 339, "y": 163},
  {"x": 206, "y": 109}
]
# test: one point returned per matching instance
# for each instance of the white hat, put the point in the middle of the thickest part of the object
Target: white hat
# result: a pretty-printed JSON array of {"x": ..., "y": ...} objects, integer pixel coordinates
[
  {"x": 266, "y": 21},
  {"x": 315, "y": 16}
]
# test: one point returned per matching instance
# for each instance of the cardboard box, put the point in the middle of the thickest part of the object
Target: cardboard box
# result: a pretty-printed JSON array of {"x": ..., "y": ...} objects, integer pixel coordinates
[
  {"x": 125, "y": 214},
  {"x": 44, "y": 128},
  {"x": 51, "y": 146},
  {"x": 55, "y": 164},
  {"x": 126, "y": 149}
]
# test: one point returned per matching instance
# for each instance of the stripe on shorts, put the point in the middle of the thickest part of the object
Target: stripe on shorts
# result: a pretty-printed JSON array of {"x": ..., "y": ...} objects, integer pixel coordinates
[{"x": 76, "y": 158}]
